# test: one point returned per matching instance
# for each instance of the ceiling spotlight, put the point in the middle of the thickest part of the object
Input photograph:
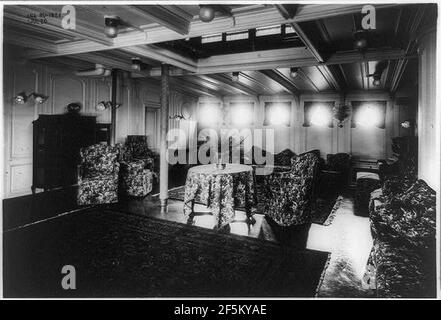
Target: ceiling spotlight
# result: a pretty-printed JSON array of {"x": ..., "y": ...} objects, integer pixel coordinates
[
  {"x": 206, "y": 13},
  {"x": 360, "y": 40},
  {"x": 293, "y": 72},
  {"x": 112, "y": 23},
  {"x": 235, "y": 76},
  {"x": 136, "y": 64},
  {"x": 377, "y": 80},
  {"x": 21, "y": 98}
]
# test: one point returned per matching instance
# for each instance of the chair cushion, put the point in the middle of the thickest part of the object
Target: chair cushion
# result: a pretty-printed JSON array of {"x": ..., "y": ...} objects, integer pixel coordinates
[{"x": 367, "y": 175}]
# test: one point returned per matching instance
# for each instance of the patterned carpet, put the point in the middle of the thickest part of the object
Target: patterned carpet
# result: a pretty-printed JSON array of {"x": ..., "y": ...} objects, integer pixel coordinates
[
  {"x": 323, "y": 211},
  {"x": 122, "y": 255}
]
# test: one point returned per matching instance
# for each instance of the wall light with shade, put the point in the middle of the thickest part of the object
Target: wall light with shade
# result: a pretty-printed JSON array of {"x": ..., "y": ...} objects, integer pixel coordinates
[
  {"x": 103, "y": 105},
  {"x": 22, "y": 97}
]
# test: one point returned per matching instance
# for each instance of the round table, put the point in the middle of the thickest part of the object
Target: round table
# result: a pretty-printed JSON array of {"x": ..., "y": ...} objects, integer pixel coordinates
[{"x": 221, "y": 190}]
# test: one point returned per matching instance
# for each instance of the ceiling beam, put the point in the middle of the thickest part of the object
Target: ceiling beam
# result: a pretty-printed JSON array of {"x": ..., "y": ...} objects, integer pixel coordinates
[
  {"x": 281, "y": 58},
  {"x": 171, "y": 17},
  {"x": 229, "y": 82},
  {"x": 288, "y": 11},
  {"x": 249, "y": 77},
  {"x": 308, "y": 42},
  {"x": 194, "y": 87},
  {"x": 83, "y": 30},
  {"x": 213, "y": 82},
  {"x": 282, "y": 80},
  {"x": 328, "y": 73},
  {"x": 164, "y": 56},
  {"x": 22, "y": 40},
  {"x": 111, "y": 62}
]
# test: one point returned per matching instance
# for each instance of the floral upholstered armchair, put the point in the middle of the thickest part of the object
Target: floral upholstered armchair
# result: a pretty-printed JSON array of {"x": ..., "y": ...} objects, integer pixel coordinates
[
  {"x": 136, "y": 149},
  {"x": 98, "y": 175},
  {"x": 137, "y": 167},
  {"x": 402, "y": 262},
  {"x": 135, "y": 180},
  {"x": 289, "y": 195}
]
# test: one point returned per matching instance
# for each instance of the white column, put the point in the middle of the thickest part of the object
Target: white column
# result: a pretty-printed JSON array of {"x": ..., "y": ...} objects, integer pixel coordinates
[
  {"x": 428, "y": 118},
  {"x": 163, "y": 169}
]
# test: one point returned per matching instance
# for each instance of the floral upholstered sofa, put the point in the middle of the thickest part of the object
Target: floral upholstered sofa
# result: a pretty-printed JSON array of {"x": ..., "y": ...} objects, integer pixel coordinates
[
  {"x": 289, "y": 195},
  {"x": 403, "y": 223}
]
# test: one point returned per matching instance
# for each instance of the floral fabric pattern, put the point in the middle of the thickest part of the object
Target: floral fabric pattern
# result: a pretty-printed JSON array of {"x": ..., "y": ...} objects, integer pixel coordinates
[
  {"x": 136, "y": 148},
  {"x": 98, "y": 175},
  {"x": 404, "y": 227},
  {"x": 99, "y": 159},
  {"x": 289, "y": 195},
  {"x": 284, "y": 158},
  {"x": 135, "y": 181},
  {"x": 221, "y": 193}
]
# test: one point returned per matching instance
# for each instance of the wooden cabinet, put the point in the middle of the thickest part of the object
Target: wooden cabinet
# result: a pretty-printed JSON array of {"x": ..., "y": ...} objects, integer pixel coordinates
[{"x": 57, "y": 140}]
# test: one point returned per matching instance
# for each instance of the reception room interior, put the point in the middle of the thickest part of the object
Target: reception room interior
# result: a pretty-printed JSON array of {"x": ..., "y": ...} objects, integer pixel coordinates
[{"x": 247, "y": 150}]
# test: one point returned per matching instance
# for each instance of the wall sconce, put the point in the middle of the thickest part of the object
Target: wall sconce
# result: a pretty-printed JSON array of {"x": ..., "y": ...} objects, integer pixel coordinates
[
  {"x": 22, "y": 97},
  {"x": 178, "y": 117},
  {"x": 103, "y": 105},
  {"x": 293, "y": 72},
  {"x": 235, "y": 76},
  {"x": 407, "y": 124}
]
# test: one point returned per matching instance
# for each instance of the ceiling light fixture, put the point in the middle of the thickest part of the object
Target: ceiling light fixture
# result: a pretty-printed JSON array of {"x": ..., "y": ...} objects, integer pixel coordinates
[
  {"x": 138, "y": 65},
  {"x": 377, "y": 80},
  {"x": 111, "y": 26},
  {"x": 293, "y": 72},
  {"x": 360, "y": 40},
  {"x": 206, "y": 13},
  {"x": 235, "y": 76}
]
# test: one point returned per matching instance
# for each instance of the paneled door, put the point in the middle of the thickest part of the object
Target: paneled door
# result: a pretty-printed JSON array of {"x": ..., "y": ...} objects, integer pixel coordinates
[{"x": 152, "y": 127}]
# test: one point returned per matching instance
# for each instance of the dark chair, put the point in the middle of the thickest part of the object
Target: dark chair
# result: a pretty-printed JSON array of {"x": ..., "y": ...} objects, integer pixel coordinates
[
  {"x": 334, "y": 174},
  {"x": 136, "y": 148},
  {"x": 137, "y": 167},
  {"x": 290, "y": 195},
  {"x": 98, "y": 175},
  {"x": 135, "y": 180}
]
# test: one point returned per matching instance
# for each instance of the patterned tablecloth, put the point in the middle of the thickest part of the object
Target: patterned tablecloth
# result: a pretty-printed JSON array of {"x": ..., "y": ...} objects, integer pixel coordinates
[{"x": 221, "y": 190}]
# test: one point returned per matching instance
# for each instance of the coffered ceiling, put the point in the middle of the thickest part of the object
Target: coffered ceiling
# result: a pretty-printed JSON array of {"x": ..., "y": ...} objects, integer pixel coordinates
[{"x": 261, "y": 42}]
